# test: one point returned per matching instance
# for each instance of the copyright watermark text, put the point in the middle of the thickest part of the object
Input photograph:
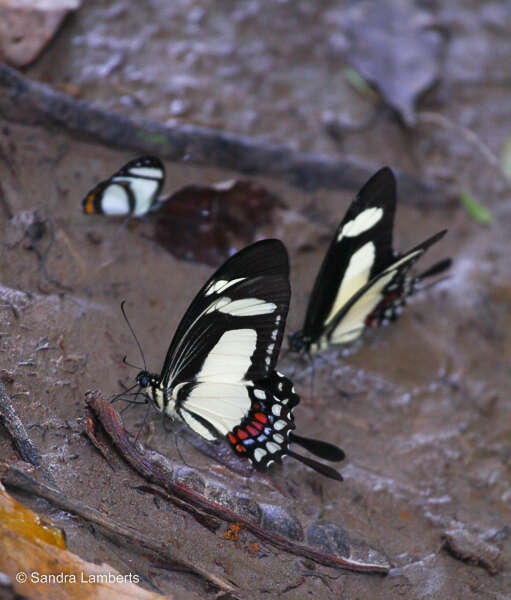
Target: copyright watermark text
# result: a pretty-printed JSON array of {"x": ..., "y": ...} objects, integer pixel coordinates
[{"x": 37, "y": 577}]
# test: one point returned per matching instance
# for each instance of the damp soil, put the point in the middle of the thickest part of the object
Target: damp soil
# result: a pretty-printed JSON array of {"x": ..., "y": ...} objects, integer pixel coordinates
[{"x": 427, "y": 423}]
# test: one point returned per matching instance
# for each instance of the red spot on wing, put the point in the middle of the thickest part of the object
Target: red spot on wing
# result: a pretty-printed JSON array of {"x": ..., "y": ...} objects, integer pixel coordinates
[{"x": 261, "y": 417}]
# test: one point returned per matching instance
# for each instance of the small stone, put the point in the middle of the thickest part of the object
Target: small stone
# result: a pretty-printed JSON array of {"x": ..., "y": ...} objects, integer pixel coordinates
[
  {"x": 220, "y": 495},
  {"x": 190, "y": 479},
  {"x": 279, "y": 521},
  {"x": 329, "y": 538},
  {"x": 249, "y": 509},
  {"x": 468, "y": 547}
]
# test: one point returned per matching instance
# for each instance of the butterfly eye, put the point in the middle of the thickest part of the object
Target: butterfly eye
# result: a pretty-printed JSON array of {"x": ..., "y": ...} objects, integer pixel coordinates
[{"x": 143, "y": 379}]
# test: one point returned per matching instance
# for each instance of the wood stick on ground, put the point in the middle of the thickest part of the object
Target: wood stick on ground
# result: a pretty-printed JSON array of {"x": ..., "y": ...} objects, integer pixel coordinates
[
  {"x": 151, "y": 466},
  {"x": 16, "y": 429},
  {"x": 19, "y": 480},
  {"x": 33, "y": 103}
]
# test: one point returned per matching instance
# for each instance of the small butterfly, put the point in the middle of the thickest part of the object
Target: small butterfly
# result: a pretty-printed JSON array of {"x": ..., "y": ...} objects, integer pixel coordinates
[
  {"x": 204, "y": 223},
  {"x": 133, "y": 190},
  {"x": 219, "y": 374},
  {"x": 362, "y": 281}
]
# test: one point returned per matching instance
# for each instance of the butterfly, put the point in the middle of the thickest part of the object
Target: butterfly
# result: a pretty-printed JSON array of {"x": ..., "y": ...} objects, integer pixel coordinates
[
  {"x": 219, "y": 374},
  {"x": 133, "y": 190},
  {"x": 196, "y": 222},
  {"x": 362, "y": 281}
]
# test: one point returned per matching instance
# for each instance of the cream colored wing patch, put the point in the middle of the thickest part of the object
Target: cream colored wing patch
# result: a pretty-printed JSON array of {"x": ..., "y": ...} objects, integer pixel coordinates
[
  {"x": 223, "y": 405},
  {"x": 355, "y": 277}
]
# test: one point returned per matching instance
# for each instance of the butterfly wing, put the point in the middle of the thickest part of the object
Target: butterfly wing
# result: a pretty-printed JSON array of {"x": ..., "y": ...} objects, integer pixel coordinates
[
  {"x": 266, "y": 432},
  {"x": 230, "y": 336},
  {"x": 133, "y": 190},
  {"x": 361, "y": 247},
  {"x": 379, "y": 299}
]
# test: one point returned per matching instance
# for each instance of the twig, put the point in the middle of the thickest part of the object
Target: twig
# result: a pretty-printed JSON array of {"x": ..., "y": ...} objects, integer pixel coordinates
[
  {"x": 5, "y": 203},
  {"x": 16, "y": 429},
  {"x": 151, "y": 466},
  {"x": 15, "y": 478},
  {"x": 38, "y": 104},
  {"x": 470, "y": 136}
]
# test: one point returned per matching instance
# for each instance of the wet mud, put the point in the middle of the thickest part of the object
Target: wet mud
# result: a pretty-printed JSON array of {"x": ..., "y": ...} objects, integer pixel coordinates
[{"x": 427, "y": 422}]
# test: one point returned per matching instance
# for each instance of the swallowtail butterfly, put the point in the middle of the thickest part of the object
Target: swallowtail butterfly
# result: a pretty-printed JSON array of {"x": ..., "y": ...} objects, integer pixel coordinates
[
  {"x": 362, "y": 281},
  {"x": 219, "y": 373},
  {"x": 133, "y": 190}
]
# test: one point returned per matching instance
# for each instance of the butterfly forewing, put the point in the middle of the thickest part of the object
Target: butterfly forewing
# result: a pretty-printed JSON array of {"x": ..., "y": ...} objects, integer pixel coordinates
[
  {"x": 233, "y": 329},
  {"x": 133, "y": 190},
  {"x": 361, "y": 247}
]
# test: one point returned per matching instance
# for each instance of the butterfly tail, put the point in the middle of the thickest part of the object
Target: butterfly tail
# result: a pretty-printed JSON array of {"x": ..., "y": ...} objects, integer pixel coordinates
[
  {"x": 436, "y": 269},
  {"x": 317, "y": 466},
  {"x": 318, "y": 448}
]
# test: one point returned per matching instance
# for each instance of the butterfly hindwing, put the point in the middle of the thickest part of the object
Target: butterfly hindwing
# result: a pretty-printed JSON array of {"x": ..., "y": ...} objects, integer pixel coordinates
[
  {"x": 133, "y": 190},
  {"x": 380, "y": 299},
  {"x": 263, "y": 435}
]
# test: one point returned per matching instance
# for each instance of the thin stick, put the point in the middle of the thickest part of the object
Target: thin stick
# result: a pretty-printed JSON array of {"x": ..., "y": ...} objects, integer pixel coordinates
[
  {"x": 35, "y": 103},
  {"x": 16, "y": 429},
  {"x": 15, "y": 478},
  {"x": 470, "y": 136},
  {"x": 154, "y": 470}
]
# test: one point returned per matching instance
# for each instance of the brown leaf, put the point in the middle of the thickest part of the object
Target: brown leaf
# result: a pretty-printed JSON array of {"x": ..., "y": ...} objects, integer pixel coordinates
[{"x": 208, "y": 223}]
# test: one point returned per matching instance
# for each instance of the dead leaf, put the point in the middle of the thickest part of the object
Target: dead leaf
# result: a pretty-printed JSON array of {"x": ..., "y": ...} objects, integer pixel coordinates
[
  {"x": 26, "y": 26},
  {"x": 393, "y": 47},
  {"x": 35, "y": 559},
  {"x": 208, "y": 223}
]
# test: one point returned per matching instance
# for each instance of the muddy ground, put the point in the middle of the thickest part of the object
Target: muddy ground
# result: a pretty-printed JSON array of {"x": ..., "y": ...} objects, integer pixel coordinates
[{"x": 427, "y": 429}]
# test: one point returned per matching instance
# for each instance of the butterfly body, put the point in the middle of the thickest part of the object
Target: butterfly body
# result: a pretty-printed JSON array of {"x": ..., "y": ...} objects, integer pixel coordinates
[
  {"x": 362, "y": 281},
  {"x": 219, "y": 374}
]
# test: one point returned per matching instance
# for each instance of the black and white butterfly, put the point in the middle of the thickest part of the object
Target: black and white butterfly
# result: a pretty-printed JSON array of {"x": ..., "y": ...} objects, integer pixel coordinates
[
  {"x": 362, "y": 281},
  {"x": 133, "y": 190},
  {"x": 219, "y": 373}
]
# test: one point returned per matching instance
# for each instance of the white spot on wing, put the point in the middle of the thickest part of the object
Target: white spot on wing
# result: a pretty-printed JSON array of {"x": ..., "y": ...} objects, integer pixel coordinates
[
  {"x": 259, "y": 453},
  {"x": 248, "y": 307},
  {"x": 361, "y": 223},
  {"x": 259, "y": 394},
  {"x": 276, "y": 409},
  {"x": 229, "y": 360},
  {"x": 114, "y": 200},
  {"x": 221, "y": 285},
  {"x": 280, "y": 424},
  {"x": 151, "y": 172},
  {"x": 143, "y": 190},
  {"x": 221, "y": 396},
  {"x": 272, "y": 447}
]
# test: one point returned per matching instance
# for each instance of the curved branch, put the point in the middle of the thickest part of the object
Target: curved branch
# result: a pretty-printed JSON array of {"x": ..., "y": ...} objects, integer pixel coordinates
[{"x": 35, "y": 103}]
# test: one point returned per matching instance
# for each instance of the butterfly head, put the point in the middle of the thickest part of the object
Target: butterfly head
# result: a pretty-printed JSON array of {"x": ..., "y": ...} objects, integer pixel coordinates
[{"x": 150, "y": 385}]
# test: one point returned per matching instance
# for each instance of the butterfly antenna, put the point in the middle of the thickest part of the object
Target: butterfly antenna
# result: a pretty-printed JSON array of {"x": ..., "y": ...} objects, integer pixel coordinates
[
  {"x": 115, "y": 398},
  {"x": 133, "y": 334},
  {"x": 125, "y": 361}
]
